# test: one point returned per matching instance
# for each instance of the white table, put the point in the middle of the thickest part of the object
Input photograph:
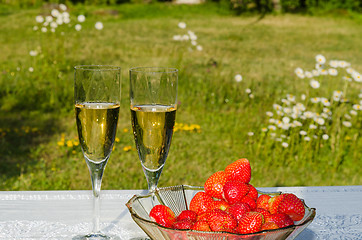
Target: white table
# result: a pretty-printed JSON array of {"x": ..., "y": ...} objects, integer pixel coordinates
[{"x": 64, "y": 214}]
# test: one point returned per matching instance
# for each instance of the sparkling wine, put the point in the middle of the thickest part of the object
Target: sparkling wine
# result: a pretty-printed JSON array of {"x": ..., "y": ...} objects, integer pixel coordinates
[
  {"x": 97, "y": 124},
  {"x": 153, "y": 129}
]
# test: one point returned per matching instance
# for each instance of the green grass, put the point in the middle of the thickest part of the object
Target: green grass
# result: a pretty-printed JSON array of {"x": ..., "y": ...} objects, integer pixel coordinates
[{"x": 37, "y": 116}]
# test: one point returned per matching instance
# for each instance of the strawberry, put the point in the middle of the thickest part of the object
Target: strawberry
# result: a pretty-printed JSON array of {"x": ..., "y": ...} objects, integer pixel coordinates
[
  {"x": 220, "y": 204},
  {"x": 266, "y": 213},
  {"x": 204, "y": 216},
  {"x": 187, "y": 214},
  {"x": 250, "y": 201},
  {"x": 292, "y": 206},
  {"x": 237, "y": 210},
  {"x": 262, "y": 201},
  {"x": 234, "y": 191},
  {"x": 269, "y": 226},
  {"x": 214, "y": 185},
  {"x": 201, "y": 226},
  {"x": 273, "y": 203},
  {"x": 281, "y": 219},
  {"x": 251, "y": 222},
  {"x": 253, "y": 193},
  {"x": 163, "y": 215},
  {"x": 201, "y": 203},
  {"x": 221, "y": 221},
  {"x": 182, "y": 224},
  {"x": 239, "y": 170}
]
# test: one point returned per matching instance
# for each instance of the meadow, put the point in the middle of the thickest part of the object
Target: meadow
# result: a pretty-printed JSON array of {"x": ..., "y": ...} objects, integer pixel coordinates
[{"x": 283, "y": 91}]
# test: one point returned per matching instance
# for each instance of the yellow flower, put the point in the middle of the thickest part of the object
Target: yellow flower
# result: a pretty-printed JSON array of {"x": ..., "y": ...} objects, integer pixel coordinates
[
  {"x": 69, "y": 143},
  {"x": 74, "y": 152},
  {"x": 127, "y": 148},
  {"x": 117, "y": 139},
  {"x": 75, "y": 142},
  {"x": 60, "y": 143},
  {"x": 125, "y": 130}
]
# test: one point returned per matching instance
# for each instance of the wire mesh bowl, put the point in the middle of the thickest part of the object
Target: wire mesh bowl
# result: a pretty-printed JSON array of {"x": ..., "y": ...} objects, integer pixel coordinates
[{"x": 178, "y": 199}]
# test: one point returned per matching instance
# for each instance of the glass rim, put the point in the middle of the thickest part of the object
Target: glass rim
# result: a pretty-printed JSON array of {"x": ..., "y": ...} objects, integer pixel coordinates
[
  {"x": 154, "y": 70},
  {"x": 97, "y": 67}
]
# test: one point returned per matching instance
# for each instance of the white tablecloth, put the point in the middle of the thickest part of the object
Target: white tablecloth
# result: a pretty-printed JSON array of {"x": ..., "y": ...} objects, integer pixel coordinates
[{"x": 64, "y": 214}]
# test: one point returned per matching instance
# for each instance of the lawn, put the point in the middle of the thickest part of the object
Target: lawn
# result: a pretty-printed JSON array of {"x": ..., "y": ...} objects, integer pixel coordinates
[{"x": 294, "y": 132}]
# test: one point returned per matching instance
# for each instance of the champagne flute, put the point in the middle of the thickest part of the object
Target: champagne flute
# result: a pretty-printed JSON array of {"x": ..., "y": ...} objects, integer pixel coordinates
[
  {"x": 97, "y": 94},
  {"x": 153, "y": 95}
]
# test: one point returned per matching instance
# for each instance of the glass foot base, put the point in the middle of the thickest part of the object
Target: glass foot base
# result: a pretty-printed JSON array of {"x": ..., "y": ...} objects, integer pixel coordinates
[{"x": 96, "y": 236}]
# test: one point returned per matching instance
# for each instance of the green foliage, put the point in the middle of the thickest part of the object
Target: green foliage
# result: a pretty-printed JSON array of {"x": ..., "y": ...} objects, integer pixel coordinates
[{"x": 219, "y": 119}]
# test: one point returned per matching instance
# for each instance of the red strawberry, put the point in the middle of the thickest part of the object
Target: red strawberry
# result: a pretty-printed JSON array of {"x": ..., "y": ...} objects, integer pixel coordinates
[
  {"x": 281, "y": 219},
  {"x": 221, "y": 221},
  {"x": 266, "y": 213},
  {"x": 251, "y": 222},
  {"x": 214, "y": 185},
  {"x": 220, "y": 204},
  {"x": 204, "y": 216},
  {"x": 253, "y": 193},
  {"x": 182, "y": 224},
  {"x": 269, "y": 226},
  {"x": 237, "y": 210},
  {"x": 234, "y": 191},
  {"x": 239, "y": 170},
  {"x": 201, "y": 203},
  {"x": 274, "y": 203},
  {"x": 292, "y": 206},
  {"x": 163, "y": 215},
  {"x": 201, "y": 226},
  {"x": 249, "y": 201},
  {"x": 262, "y": 201},
  {"x": 187, "y": 214}
]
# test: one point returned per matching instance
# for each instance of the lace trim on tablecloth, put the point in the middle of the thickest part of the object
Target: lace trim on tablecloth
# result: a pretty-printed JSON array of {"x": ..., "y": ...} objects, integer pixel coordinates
[{"x": 324, "y": 227}]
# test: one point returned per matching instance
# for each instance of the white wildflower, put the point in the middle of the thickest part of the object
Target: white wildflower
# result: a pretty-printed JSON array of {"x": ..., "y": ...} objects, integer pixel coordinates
[
  {"x": 238, "y": 78},
  {"x": 308, "y": 114},
  {"x": 199, "y": 48},
  {"x": 308, "y": 74},
  {"x": 343, "y": 64},
  {"x": 333, "y": 63},
  {"x": 318, "y": 67},
  {"x": 35, "y": 28},
  {"x": 272, "y": 127},
  {"x": 285, "y": 145},
  {"x": 177, "y": 37},
  {"x": 99, "y": 25},
  {"x": 302, "y": 97},
  {"x": 314, "y": 84},
  {"x": 78, "y": 27},
  {"x": 312, "y": 126},
  {"x": 269, "y": 114},
  {"x": 62, "y": 7},
  {"x": 193, "y": 43},
  {"x": 325, "y": 136},
  {"x": 357, "y": 76},
  {"x": 320, "y": 121},
  {"x": 348, "y": 117},
  {"x": 250, "y": 134},
  {"x": 307, "y": 138},
  {"x": 55, "y": 13},
  {"x": 48, "y": 19},
  {"x": 277, "y": 107},
  {"x": 182, "y": 25},
  {"x": 315, "y": 100},
  {"x": 347, "y": 123},
  {"x": 33, "y": 53},
  {"x": 39, "y": 19},
  {"x": 264, "y": 129},
  {"x": 285, "y": 101},
  {"x": 291, "y": 97},
  {"x": 333, "y": 72},
  {"x": 272, "y": 120},
  {"x": 286, "y": 120},
  {"x": 280, "y": 113},
  {"x": 44, "y": 29},
  {"x": 31, "y": 69},
  {"x": 315, "y": 72},
  {"x": 323, "y": 72},
  {"x": 251, "y": 96},
  {"x": 353, "y": 112},
  {"x": 320, "y": 59},
  {"x": 303, "y": 133},
  {"x": 297, "y": 123},
  {"x": 248, "y": 90},
  {"x": 81, "y": 18},
  {"x": 53, "y": 25},
  {"x": 357, "y": 107}
]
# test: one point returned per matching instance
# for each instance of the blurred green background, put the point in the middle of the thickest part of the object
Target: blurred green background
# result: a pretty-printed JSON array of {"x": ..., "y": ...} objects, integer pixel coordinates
[{"x": 277, "y": 82}]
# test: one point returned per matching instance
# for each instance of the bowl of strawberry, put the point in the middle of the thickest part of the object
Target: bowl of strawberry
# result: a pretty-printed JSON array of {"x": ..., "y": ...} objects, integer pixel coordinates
[{"x": 226, "y": 207}]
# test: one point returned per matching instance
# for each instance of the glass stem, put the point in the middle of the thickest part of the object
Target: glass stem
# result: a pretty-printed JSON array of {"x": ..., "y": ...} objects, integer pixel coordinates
[{"x": 96, "y": 172}]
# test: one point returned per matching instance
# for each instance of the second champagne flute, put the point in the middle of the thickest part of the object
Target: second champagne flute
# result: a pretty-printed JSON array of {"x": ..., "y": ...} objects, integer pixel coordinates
[{"x": 153, "y": 95}]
